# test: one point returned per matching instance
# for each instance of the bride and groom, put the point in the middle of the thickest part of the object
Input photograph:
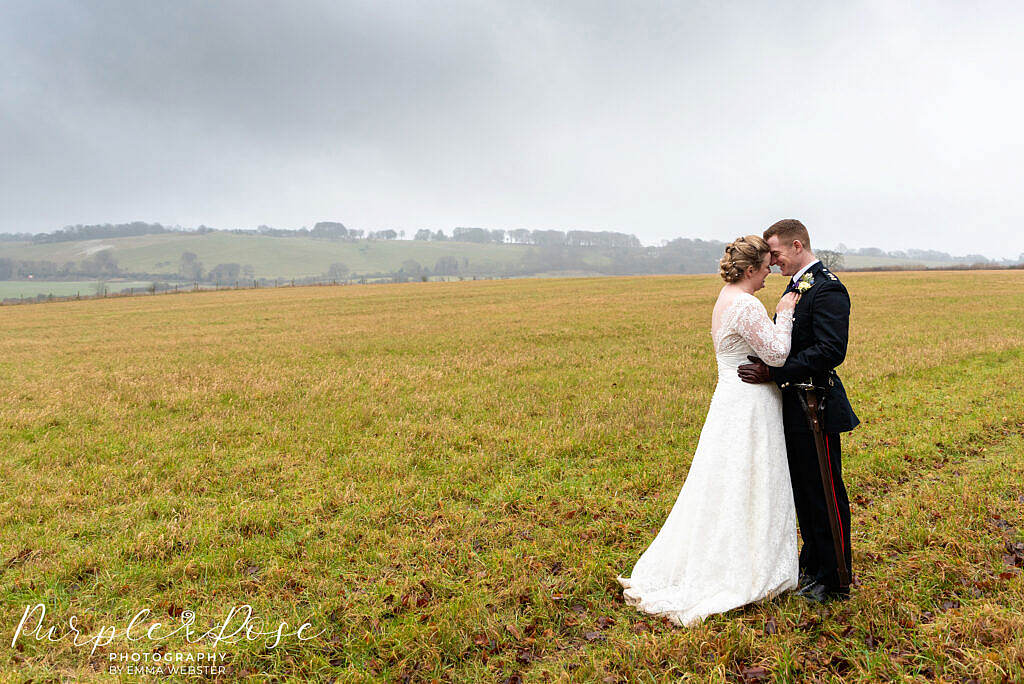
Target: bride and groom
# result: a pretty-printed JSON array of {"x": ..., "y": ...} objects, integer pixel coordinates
[{"x": 731, "y": 536}]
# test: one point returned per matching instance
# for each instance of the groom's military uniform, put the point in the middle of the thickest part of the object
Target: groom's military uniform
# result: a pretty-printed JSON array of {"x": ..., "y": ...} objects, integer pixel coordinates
[{"x": 821, "y": 323}]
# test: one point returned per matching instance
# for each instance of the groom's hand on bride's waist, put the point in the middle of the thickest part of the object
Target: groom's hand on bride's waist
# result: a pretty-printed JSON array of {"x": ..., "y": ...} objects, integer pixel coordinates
[{"x": 754, "y": 372}]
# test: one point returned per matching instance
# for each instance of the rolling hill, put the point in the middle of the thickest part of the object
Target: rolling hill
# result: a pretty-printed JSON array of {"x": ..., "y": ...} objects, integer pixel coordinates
[
  {"x": 270, "y": 257},
  {"x": 274, "y": 257}
]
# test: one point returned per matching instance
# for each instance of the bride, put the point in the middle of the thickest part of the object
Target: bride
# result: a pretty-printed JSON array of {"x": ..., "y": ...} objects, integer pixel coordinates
[{"x": 730, "y": 538}]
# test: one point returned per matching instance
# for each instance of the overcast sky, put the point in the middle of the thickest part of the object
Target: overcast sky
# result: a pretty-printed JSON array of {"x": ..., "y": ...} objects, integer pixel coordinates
[{"x": 890, "y": 124}]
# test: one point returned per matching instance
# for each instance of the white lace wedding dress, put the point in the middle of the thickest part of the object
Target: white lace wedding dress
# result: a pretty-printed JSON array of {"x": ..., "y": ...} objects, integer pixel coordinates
[{"x": 730, "y": 538}]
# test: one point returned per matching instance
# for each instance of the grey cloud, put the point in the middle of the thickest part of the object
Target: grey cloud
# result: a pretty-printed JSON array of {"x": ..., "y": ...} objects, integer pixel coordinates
[{"x": 879, "y": 125}]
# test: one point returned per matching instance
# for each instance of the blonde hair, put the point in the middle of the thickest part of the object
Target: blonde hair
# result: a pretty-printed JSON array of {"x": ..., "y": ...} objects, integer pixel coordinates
[{"x": 741, "y": 254}]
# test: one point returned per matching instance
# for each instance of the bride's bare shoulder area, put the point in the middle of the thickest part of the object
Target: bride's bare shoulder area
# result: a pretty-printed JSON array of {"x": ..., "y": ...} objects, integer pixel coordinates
[{"x": 729, "y": 297}]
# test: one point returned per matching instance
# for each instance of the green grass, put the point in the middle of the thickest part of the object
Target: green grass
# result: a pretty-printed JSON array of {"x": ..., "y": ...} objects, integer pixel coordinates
[
  {"x": 447, "y": 477},
  {"x": 63, "y": 288},
  {"x": 270, "y": 257}
]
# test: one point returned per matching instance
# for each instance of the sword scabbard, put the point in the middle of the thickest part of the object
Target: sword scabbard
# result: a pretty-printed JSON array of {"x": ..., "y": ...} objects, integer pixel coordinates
[{"x": 808, "y": 396}]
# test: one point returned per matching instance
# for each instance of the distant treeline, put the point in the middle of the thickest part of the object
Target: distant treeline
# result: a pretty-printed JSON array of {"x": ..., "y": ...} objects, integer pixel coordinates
[
  {"x": 915, "y": 255},
  {"x": 117, "y": 230},
  {"x": 16, "y": 237},
  {"x": 333, "y": 230},
  {"x": 105, "y": 230},
  {"x": 977, "y": 266},
  {"x": 103, "y": 264},
  {"x": 522, "y": 236}
]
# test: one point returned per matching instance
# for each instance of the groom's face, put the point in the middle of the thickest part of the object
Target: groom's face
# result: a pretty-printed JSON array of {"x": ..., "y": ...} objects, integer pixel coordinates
[{"x": 787, "y": 256}]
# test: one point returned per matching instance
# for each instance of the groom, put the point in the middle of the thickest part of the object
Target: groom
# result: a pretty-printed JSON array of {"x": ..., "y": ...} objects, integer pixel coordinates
[{"x": 821, "y": 324}]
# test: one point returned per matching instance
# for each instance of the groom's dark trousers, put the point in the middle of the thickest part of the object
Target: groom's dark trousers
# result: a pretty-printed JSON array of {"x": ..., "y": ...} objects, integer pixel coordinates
[
  {"x": 818, "y": 556},
  {"x": 821, "y": 323}
]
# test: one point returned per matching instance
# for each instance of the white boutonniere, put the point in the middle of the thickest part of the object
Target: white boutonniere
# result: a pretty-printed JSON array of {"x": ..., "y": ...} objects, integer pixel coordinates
[{"x": 805, "y": 283}]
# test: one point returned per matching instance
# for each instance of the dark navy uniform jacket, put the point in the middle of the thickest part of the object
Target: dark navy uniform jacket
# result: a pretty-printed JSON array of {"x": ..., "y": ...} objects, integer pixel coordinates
[{"x": 821, "y": 325}]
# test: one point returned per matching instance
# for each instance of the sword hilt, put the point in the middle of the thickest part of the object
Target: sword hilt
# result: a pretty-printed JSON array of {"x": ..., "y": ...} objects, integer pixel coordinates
[{"x": 802, "y": 386}]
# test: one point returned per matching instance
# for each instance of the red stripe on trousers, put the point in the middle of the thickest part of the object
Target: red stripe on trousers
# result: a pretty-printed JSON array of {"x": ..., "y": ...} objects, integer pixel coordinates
[{"x": 835, "y": 501}]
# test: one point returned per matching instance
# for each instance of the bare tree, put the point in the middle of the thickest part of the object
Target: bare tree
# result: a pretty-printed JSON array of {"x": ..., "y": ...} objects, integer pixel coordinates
[
  {"x": 190, "y": 267},
  {"x": 337, "y": 271},
  {"x": 832, "y": 260}
]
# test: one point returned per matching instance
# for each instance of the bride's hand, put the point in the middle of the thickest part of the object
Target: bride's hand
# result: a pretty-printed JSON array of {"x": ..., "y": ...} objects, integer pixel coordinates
[{"x": 788, "y": 302}]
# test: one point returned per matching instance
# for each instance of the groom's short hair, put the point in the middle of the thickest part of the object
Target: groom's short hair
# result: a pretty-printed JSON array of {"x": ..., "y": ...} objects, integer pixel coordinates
[{"x": 788, "y": 230}]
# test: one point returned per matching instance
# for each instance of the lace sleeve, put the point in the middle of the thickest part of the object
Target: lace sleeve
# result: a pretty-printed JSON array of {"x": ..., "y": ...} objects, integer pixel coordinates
[{"x": 771, "y": 341}]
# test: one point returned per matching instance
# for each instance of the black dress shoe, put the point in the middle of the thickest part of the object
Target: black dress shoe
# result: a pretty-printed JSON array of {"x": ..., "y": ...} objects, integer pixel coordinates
[
  {"x": 819, "y": 593},
  {"x": 804, "y": 580}
]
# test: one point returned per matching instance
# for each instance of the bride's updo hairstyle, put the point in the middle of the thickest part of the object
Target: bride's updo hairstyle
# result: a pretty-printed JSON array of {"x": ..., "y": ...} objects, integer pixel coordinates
[{"x": 740, "y": 254}]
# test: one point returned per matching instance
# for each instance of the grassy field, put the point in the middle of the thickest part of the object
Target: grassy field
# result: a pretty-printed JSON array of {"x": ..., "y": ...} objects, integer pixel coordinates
[
  {"x": 270, "y": 257},
  {"x": 445, "y": 479},
  {"x": 64, "y": 288}
]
